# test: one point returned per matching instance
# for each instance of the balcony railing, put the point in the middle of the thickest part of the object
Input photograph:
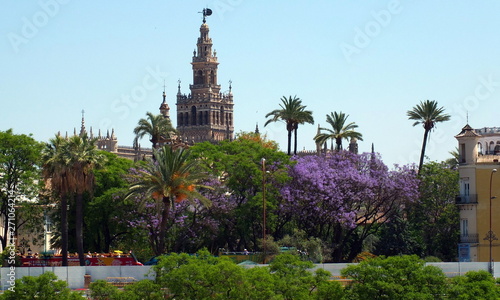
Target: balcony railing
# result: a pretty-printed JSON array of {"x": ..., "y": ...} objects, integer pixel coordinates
[
  {"x": 466, "y": 199},
  {"x": 469, "y": 238}
]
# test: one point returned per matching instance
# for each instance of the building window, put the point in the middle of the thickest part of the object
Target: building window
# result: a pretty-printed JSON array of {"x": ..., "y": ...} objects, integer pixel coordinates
[
  {"x": 462, "y": 153},
  {"x": 464, "y": 227}
]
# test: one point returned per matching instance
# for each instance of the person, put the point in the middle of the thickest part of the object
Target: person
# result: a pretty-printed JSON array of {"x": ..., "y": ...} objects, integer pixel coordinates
[{"x": 245, "y": 251}]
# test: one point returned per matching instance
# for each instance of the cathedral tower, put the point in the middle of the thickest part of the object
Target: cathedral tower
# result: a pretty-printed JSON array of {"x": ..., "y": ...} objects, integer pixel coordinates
[{"x": 206, "y": 114}]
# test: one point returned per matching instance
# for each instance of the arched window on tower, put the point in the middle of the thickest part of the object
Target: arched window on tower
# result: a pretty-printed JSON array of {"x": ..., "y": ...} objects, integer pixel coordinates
[
  {"x": 186, "y": 119},
  {"x": 222, "y": 115},
  {"x": 193, "y": 115},
  {"x": 198, "y": 78},
  {"x": 230, "y": 119},
  {"x": 212, "y": 77},
  {"x": 213, "y": 118},
  {"x": 206, "y": 118},
  {"x": 200, "y": 118}
]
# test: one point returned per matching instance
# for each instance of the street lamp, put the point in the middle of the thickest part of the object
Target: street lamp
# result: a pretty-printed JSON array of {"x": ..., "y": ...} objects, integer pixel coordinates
[
  {"x": 263, "y": 161},
  {"x": 491, "y": 235}
]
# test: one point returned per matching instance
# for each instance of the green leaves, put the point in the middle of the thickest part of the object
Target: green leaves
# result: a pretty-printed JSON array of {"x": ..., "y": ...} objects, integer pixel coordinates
[{"x": 397, "y": 277}]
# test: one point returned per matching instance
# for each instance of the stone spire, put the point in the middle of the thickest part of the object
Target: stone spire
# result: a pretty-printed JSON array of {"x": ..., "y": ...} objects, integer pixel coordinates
[{"x": 83, "y": 131}]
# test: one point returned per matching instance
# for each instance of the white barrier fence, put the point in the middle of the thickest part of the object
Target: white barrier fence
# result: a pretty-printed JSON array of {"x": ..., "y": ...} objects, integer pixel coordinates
[{"x": 75, "y": 275}]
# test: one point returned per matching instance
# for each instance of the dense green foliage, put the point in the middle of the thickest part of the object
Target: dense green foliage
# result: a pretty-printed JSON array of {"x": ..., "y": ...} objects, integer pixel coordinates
[
  {"x": 474, "y": 285},
  {"x": 43, "y": 287},
  {"x": 397, "y": 277},
  {"x": 206, "y": 277},
  {"x": 20, "y": 163}
]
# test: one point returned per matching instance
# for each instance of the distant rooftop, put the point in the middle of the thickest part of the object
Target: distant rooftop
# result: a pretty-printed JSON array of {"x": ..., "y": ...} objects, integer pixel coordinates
[{"x": 487, "y": 130}]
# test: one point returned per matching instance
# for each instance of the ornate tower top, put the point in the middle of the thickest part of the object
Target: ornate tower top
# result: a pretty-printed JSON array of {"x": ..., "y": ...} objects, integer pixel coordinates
[
  {"x": 206, "y": 114},
  {"x": 164, "y": 108}
]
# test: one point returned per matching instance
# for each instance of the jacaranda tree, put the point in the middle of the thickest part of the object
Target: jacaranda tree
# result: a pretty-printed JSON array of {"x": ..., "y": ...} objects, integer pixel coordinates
[{"x": 343, "y": 198}]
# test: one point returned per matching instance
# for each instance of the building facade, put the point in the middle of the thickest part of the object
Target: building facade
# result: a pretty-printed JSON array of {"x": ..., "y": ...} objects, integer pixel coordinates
[
  {"x": 205, "y": 114},
  {"x": 479, "y": 155}
]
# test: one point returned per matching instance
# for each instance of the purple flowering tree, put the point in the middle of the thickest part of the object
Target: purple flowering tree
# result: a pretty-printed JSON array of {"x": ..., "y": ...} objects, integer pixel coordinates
[{"x": 343, "y": 198}]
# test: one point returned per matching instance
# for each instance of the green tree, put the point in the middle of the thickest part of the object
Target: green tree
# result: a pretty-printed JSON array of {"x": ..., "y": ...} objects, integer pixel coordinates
[
  {"x": 101, "y": 290},
  {"x": 339, "y": 131},
  {"x": 428, "y": 114},
  {"x": 474, "y": 285},
  {"x": 397, "y": 277},
  {"x": 435, "y": 215},
  {"x": 143, "y": 290},
  {"x": 200, "y": 277},
  {"x": 105, "y": 212},
  {"x": 238, "y": 166},
  {"x": 293, "y": 113},
  {"x": 397, "y": 238},
  {"x": 43, "y": 287},
  {"x": 173, "y": 177},
  {"x": 294, "y": 280},
  {"x": 19, "y": 170},
  {"x": 157, "y": 127}
]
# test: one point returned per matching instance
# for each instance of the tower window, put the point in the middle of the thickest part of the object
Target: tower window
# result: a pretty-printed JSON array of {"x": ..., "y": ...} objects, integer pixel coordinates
[{"x": 193, "y": 115}]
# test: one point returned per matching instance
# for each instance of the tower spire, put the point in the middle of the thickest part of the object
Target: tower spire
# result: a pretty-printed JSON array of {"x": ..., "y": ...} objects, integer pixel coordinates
[
  {"x": 83, "y": 131},
  {"x": 164, "y": 108}
]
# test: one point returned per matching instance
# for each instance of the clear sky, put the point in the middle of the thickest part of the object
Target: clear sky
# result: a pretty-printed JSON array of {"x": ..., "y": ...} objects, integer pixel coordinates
[{"x": 373, "y": 60}]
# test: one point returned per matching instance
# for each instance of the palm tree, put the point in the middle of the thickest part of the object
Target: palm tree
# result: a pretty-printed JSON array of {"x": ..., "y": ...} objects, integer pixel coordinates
[
  {"x": 57, "y": 172},
  {"x": 83, "y": 158},
  {"x": 157, "y": 127},
  {"x": 293, "y": 113},
  {"x": 172, "y": 178},
  {"x": 428, "y": 114},
  {"x": 339, "y": 130},
  {"x": 68, "y": 163}
]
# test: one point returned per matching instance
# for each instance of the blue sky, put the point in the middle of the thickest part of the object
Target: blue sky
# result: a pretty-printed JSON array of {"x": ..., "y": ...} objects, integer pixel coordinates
[{"x": 373, "y": 60}]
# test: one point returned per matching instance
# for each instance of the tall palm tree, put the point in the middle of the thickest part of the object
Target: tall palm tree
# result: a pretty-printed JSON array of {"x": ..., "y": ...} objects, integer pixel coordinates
[
  {"x": 157, "y": 127},
  {"x": 83, "y": 158},
  {"x": 428, "y": 114},
  {"x": 339, "y": 131},
  {"x": 172, "y": 178},
  {"x": 293, "y": 113},
  {"x": 56, "y": 171},
  {"x": 69, "y": 163}
]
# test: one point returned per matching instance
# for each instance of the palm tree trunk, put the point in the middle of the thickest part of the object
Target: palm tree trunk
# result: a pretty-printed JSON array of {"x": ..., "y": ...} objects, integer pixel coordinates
[
  {"x": 295, "y": 141},
  {"x": 64, "y": 230},
  {"x": 422, "y": 154},
  {"x": 289, "y": 141},
  {"x": 338, "y": 141},
  {"x": 160, "y": 249},
  {"x": 79, "y": 228}
]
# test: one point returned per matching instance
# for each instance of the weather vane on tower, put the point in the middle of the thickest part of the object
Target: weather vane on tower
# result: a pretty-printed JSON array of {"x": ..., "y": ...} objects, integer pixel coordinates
[{"x": 206, "y": 12}]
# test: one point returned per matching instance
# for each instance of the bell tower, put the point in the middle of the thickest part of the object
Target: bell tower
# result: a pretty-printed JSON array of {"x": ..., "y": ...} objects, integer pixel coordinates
[{"x": 206, "y": 114}]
